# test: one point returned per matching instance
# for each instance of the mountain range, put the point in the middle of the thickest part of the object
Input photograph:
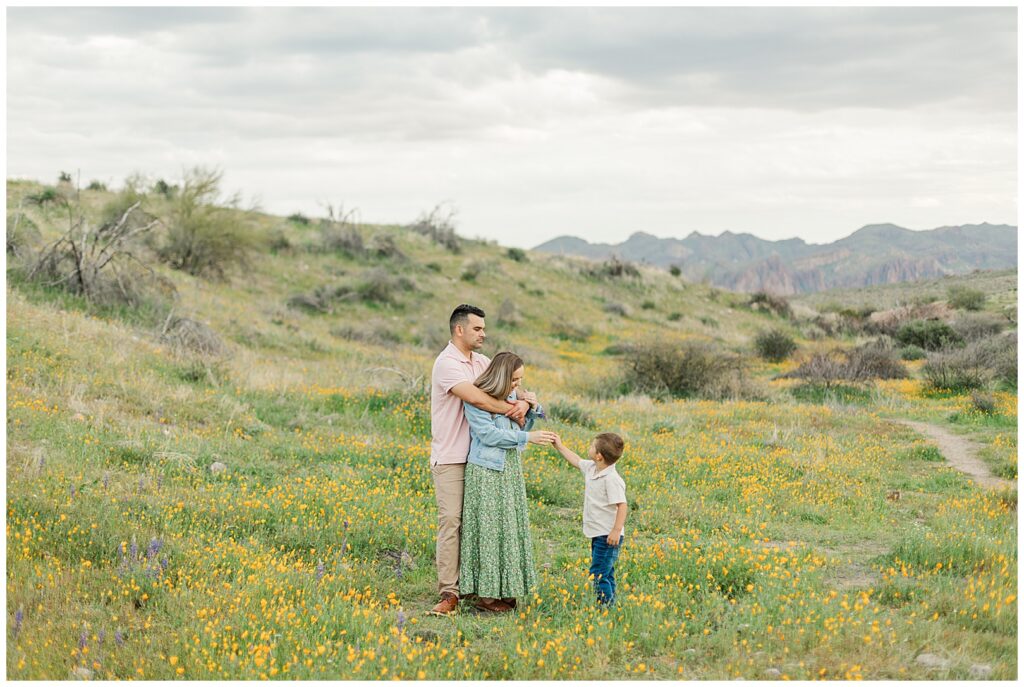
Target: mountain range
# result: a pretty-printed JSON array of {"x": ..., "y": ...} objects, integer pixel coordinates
[{"x": 874, "y": 254}]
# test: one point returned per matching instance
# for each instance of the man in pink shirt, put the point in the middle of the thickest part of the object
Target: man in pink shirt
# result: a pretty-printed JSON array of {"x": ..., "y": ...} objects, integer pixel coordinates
[{"x": 451, "y": 383}]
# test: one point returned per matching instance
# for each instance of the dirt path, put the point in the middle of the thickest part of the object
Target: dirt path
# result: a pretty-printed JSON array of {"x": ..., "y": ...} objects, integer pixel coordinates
[{"x": 960, "y": 453}]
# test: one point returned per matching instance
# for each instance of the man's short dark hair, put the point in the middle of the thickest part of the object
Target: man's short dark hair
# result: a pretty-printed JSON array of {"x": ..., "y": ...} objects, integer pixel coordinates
[
  {"x": 610, "y": 446},
  {"x": 461, "y": 315}
]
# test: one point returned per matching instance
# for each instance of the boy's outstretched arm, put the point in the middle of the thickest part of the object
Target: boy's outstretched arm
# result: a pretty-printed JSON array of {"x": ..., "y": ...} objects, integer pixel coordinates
[{"x": 573, "y": 459}]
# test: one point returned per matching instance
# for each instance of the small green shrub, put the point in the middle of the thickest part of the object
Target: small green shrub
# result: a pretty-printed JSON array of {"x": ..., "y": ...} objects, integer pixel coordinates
[
  {"x": 674, "y": 270},
  {"x": 299, "y": 218},
  {"x": 612, "y": 268},
  {"x": 774, "y": 345},
  {"x": 571, "y": 413},
  {"x": 204, "y": 239},
  {"x": 763, "y": 301},
  {"x": 931, "y": 335},
  {"x": 674, "y": 316},
  {"x": 439, "y": 226},
  {"x": 571, "y": 331},
  {"x": 648, "y": 305},
  {"x": 613, "y": 308},
  {"x": 983, "y": 403},
  {"x": 95, "y": 185},
  {"x": 964, "y": 298},
  {"x": 692, "y": 369},
  {"x": 517, "y": 255},
  {"x": 913, "y": 352}
]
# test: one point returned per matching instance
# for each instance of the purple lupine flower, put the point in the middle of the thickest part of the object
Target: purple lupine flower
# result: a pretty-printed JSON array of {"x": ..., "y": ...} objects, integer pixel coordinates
[
  {"x": 72, "y": 491},
  {"x": 401, "y": 621},
  {"x": 82, "y": 640},
  {"x": 18, "y": 618},
  {"x": 319, "y": 570},
  {"x": 159, "y": 482},
  {"x": 106, "y": 480},
  {"x": 133, "y": 552},
  {"x": 163, "y": 563},
  {"x": 118, "y": 638},
  {"x": 154, "y": 547},
  {"x": 103, "y": 635},
  {"x": 138, "y": 489}
]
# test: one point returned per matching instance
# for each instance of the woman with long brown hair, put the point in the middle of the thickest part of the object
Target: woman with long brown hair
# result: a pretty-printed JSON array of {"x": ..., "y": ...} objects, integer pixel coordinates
[{"x": 496, "y": 556}]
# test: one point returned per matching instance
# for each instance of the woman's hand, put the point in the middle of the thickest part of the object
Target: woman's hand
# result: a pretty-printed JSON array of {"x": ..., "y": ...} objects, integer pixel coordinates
[
  {"x": 542, "y": 437},
  {"x": 530, "y": 398}
]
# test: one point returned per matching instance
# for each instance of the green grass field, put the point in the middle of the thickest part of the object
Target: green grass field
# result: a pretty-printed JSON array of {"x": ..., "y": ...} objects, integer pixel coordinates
[{"x": 270, "y": 514}]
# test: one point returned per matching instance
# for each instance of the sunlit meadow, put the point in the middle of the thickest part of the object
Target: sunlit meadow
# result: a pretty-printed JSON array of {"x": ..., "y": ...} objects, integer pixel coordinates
[{"x": 275, "y": 518}]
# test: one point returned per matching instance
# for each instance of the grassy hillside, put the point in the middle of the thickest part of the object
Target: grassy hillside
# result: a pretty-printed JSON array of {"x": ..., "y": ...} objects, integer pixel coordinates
[{"x": 268, "y": 512}]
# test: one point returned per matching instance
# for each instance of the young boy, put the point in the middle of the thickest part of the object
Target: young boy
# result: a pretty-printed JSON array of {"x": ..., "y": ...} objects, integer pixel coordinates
[{"x": 604, "y": 507}]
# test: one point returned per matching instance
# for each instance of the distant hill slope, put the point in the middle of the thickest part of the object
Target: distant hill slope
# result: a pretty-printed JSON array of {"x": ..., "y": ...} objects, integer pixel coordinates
[{"x": 874, "y": 254}]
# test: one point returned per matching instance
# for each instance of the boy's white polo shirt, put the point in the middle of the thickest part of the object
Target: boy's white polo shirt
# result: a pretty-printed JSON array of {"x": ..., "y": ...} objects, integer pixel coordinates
[{"x": 602, "y": 490}]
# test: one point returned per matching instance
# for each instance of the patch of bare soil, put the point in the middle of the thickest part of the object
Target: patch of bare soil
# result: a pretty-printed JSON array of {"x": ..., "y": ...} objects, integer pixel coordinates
[{"x": 961, "y": 453}]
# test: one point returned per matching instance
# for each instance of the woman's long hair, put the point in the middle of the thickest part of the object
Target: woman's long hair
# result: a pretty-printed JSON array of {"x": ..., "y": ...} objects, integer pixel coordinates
[{"x": 496, "y": 380}]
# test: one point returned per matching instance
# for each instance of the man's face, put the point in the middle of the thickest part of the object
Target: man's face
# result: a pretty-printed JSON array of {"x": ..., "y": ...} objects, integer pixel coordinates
[{"x": 472, "y": 333}]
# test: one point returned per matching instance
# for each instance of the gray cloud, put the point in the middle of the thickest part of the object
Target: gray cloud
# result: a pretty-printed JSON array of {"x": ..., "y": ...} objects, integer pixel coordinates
[{"x": 601, "y": 117}]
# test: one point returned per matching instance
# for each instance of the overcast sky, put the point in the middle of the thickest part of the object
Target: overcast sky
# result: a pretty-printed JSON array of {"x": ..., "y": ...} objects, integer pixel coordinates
[{"x": 537, "y": 122}]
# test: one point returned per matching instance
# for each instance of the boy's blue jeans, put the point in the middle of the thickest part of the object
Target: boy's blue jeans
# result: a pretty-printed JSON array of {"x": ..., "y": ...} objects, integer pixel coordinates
[{"x": 602, "y": 567}]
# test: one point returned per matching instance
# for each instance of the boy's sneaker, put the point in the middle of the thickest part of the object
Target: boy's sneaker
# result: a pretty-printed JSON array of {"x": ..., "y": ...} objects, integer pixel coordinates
[{"x": 448, "y": 605}]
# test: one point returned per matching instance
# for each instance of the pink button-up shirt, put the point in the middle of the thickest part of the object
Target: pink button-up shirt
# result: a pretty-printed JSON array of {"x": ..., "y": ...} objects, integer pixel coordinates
[{"x": 449, "y": 429}]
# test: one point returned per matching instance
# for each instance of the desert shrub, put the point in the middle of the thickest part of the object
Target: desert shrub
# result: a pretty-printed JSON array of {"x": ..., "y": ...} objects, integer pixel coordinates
[
  {"x": 768, "y": 302},
  {"x": 48, "y": 195},
  {"x": 674, "y": 270},
  {"x": 931, "y": 335},
  {"x": 888, "y": 322},
  {"x": 299, "y": 218},
  {"x": 322, "y": 299},
  {"x": 648, "y": 305},
  {"x": 340, "y": 233},
  {"x": 508, "y": 315},
  {"x": 913, "y": 352},
  {"x": 384, "y": 246},
  {"x": 95, "y": 185},
  {"x": 973, "y": 326},
  {"x": 615, "y": 308},
  {"x": 613, "y": 268},
  {"x": 439, "y": 226},
  {"x": 674, "y": 316},
  {"x": 381, "y": 287},
  {"x": 375, "y": 333},
  {"x": 22, "y": 234},
  {"x": 471, "y": 270},
  {"x": 972, "y": 367},
  {"x": 164, "y": 189},
  {"x": 571, "y": 413},
  {"x": 875, "y": 360},
  {"x": 983, "y": 403},
  {"x": 571, "y": 331},
  {"x": 517, "y": 255},
  {"x": 691, "y": 369},
  {"x": 203, "y": 238},
  {"x": 774, "y": 345},
  {"x": 964, "y": 298},
  {"x": 105, "y": 264},
  {"x": 709, "y": 322},
  {"x": 191, "y": 336},
  {"x": 278, "y": 242}
]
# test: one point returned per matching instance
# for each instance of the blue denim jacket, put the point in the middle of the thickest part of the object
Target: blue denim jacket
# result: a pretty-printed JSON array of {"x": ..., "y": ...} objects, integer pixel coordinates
[{"x": 490, "y": 435}]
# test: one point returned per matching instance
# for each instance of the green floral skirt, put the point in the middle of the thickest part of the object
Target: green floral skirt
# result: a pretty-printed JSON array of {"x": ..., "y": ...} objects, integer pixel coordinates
[{"x": 496, "y": 552}]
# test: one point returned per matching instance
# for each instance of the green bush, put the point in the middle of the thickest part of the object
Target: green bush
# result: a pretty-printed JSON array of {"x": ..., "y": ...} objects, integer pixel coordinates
[
  {"x": 771, "y": 303},
  {"x": 612, "y": 268},
  {"x": 912, "y": 352},
  {"x": 299, "y": 218},
  {"x": 204, "y": 239},
  {"x": 675, "y": 271},
  {"x": 931, "y": 335},
  {"x": 964, "y": 298},
  {"x": 517, "y": 254},
  {"x": 571, "y": 413},
  {"x": 774, "y": 345},
  {"x": 571, "y": 331},
  {"x": 875, "y": 360},
  {"x": 692, "y": 369}
]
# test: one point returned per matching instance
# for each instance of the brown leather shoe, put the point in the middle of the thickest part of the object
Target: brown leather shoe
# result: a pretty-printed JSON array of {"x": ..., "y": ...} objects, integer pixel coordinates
[
  {"x": 492, "y": 606},
  {"x": 448, "y": 605}
]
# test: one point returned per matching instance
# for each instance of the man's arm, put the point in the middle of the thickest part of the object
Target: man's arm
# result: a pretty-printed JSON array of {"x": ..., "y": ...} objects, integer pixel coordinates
[
  {"x": 620, "y": 521},
  {"x": 478, "y": 399},
  {"x": 573, "y": 459}
]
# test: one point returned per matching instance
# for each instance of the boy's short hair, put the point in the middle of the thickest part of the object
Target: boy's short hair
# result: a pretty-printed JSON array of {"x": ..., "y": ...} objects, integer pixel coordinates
[{"x": 610, "y": 446}]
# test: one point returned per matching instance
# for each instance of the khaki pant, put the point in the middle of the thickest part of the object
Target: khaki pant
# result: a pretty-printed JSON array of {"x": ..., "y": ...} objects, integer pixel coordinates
[{"x": 449, "y": 481}]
